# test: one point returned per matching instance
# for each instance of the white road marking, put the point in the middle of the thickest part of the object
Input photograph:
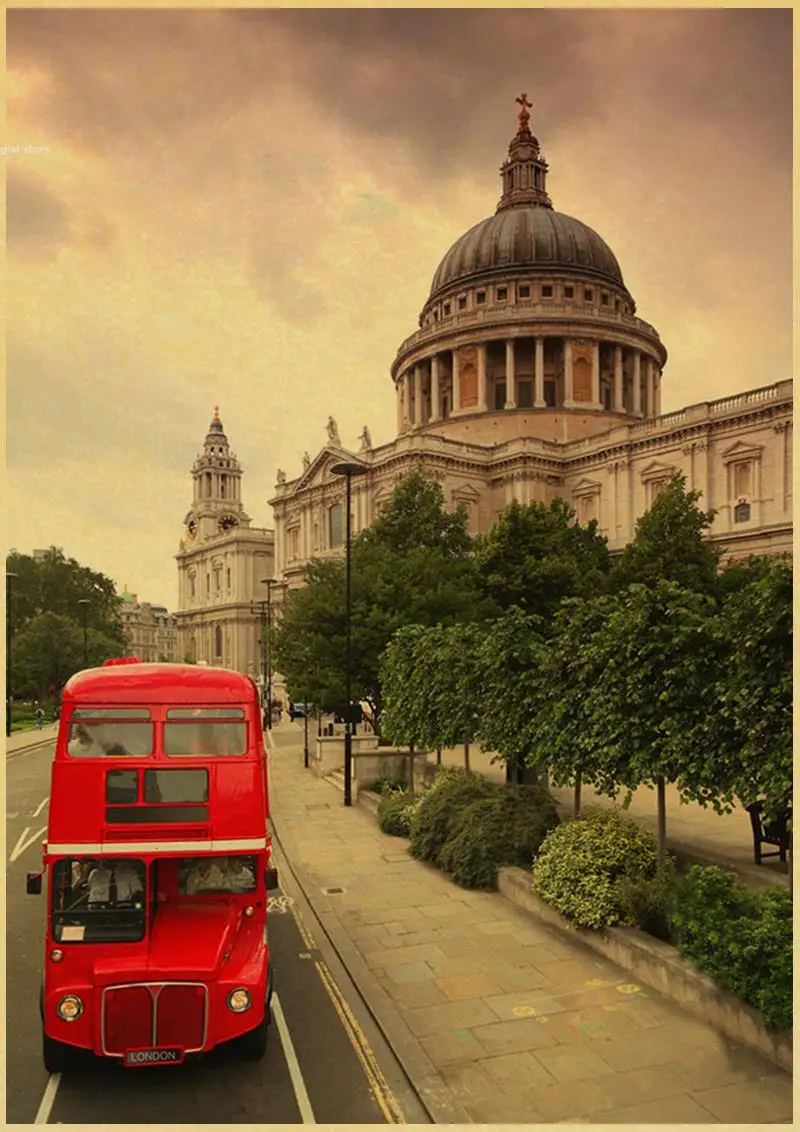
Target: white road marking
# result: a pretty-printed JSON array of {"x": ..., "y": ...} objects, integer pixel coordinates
[
  {"x": 22, "y": 845},
  {"x": 298, "y": 1084},
  {"x": 20, "y": 839},
  {"x": 279, "y": 904},
  {"x": 41, "y": 806},
  {"x": 48, "y": 1097}
]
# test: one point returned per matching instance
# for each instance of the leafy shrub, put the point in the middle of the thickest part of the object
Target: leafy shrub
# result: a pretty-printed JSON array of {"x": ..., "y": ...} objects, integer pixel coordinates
[
  {"x": 382, "y": 784},
  {"x": 741, "y": 939},
  {"x": 503, "y": 828},
  {"x": 532, "y": 813},
  {"x": 393, "y": 812},
  {"x": 647, "y": 902},
  {"x": 579, "y": 864},
  {"x": 438, "y": 808}
]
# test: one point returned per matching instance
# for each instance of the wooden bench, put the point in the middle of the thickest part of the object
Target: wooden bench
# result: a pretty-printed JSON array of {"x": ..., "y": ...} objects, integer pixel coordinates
[{"x": 769, "y": 832}]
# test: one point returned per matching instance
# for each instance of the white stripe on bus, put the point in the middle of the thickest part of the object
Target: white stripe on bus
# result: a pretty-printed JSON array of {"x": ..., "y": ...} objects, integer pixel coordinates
[{"x": 111, "y": 847}]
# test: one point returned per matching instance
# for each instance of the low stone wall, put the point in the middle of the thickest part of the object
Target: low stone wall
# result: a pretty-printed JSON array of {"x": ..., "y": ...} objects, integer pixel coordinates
[
  {"x": 658, "y": 965},
  {"x": 329, "y": 753},
  {"x": 387, "y": 762}
]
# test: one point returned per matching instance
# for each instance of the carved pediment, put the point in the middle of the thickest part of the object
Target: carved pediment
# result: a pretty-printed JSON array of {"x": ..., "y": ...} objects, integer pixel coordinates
[
  {"x": 742, "y": 451},
  {"x": 655, "y": 470},
  {"x": 586, "y": 486},
  {"x": 319, "y": 470},
  {"x": 465, "y": 493}
]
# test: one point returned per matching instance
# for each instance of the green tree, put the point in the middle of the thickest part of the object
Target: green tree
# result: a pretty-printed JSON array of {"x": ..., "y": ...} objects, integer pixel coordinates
[
  {"x": 565, "y": 731},
  {"x": 49, "y": 649},
  {"x": 413, "y": 566},
  {"x": 535, "y": 556},
  {"x": 511, "y": 658},
  {"x": 644, "y": 671},
  {"x": 670, "y": 544},
  {"x": 56, "y": 584},
  {"x": 751, "y": 724}
]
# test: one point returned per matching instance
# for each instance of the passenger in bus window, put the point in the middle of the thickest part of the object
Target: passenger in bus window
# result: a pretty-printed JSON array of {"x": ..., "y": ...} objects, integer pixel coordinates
[
  {"x": 82, "y": 744},
  {"x": 100, "y": 885}
]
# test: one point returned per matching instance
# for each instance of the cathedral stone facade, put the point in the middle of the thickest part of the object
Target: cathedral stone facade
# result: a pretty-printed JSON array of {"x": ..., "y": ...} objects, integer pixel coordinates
[
  {"x": 530, "y": 377},
  {"x": 223, "y": 564}
]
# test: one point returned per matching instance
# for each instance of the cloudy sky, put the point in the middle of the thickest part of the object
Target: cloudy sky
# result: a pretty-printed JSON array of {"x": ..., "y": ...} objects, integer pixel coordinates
[{"x": 247, "y": 208}]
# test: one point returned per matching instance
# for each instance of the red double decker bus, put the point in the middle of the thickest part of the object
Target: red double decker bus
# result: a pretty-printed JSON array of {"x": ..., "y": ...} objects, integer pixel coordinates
[{"x": 158, "y": 866}]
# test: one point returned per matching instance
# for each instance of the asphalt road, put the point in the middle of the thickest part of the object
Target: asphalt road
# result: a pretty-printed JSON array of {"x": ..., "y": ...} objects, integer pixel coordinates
[{"x": 326, "y": 1062}]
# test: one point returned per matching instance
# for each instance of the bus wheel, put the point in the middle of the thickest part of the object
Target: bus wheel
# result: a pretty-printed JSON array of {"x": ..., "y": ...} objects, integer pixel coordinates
[
  {"x": 253, "y": 1044},
  {"x": 57, "y": 1057}
]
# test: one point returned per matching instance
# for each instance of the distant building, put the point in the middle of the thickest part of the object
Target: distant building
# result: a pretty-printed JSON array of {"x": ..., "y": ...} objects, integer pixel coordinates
[
  {"x": 531, "y": 377},
  {"x": 222, "y": 564},
  {"x": 150, "y": 630}
]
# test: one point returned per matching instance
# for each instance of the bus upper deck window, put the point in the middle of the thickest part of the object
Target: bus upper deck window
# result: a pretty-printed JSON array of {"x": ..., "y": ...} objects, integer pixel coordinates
[
  {"x": 111, "y": 732},
  {"x": 199, "y": 732}
]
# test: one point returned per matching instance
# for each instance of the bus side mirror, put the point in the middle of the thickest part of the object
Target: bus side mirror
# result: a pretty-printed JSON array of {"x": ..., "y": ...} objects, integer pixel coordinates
[
  {"x": 271, "y": 878},
  {"x": 33, "y": 885}
]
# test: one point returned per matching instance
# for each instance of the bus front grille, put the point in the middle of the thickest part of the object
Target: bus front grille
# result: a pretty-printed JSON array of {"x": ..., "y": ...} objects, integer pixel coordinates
[{"x": 154, "y": 1015}]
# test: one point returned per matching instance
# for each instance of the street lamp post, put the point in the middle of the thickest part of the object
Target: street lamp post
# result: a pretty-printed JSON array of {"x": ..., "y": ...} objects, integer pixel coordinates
[
  {"x": 305, "y": 731},
  {"x": 84, "y": 603},
  {"x": 10, "y": 576},
  {"x": 348, "y": 469},
  {"x": 265, "y": 613}
]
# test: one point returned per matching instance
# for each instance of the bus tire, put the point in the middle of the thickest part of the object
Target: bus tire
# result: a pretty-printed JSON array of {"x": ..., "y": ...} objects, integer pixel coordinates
[
  {"x": 253, "y": 1045},
  {"x": 57, "y": 1056}
]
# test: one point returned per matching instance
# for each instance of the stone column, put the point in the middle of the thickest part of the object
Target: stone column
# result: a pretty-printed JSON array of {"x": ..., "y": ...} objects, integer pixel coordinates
[
  {"x": 456, "y": 383},
  {"x": 649, "y": 399},
  {"x": 596, "y": 402},
  {"x": 568, "y": 402},
  {"x": 538, "y": 374},
  {"x": 481, "y": 377},
  {"x": 435, "y": 395},
  {"x": 418, "y": 395},
  {"x": 657, "y": 392},
  {"x": 511, "y": 375},
  {"x": 618, "y": 402},
  {"x": 637, "y": 383},
  {"x": 781, "y": 429}
]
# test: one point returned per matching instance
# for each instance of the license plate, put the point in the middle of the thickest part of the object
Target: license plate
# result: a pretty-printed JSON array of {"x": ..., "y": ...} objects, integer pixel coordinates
[{"x": 165, "y": 1056}]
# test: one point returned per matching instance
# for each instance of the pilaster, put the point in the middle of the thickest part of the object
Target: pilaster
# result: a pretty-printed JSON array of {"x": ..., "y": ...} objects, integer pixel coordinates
[{"x": 511, "y": 375}]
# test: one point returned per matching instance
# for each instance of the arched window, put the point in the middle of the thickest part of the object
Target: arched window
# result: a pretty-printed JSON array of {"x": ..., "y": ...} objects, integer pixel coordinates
[
  {"x": 335, "y": 526},
  {"x": 741, "y": 513},
  {"x": 218, "y": 642}
]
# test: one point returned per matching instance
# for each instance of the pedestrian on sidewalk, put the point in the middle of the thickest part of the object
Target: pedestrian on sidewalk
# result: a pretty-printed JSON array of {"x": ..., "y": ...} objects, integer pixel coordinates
[{"x": 39, "y": 718}]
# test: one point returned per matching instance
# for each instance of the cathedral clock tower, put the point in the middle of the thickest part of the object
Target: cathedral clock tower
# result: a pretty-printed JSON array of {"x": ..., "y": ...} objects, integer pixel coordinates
[{"x": 222, "y": 564}]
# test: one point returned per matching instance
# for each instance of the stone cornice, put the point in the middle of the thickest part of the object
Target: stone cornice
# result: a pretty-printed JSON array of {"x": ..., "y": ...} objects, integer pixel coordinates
[{"x": 528, "y": 320}]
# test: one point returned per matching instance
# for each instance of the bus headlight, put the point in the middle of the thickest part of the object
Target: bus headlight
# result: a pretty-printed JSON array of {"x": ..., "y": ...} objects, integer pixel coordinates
[
  {"x": 56, "y": 955},
  {"x": 69, "y": 1008},
  {"x": 239, "y": 1000}
]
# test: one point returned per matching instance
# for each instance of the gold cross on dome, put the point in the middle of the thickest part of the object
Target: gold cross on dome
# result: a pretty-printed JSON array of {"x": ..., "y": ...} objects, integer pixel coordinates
[
  {"x": 216, "y": 412},
  {"x": 524, "y": 116}
]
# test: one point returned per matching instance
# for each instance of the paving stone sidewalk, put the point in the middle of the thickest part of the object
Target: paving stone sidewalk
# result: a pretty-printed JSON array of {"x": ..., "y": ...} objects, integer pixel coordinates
[{"x": 521, "y": 1024}]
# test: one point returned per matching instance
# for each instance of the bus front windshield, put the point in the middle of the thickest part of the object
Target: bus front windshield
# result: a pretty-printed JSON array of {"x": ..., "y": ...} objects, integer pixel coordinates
[{"x": 99, "y": 900}]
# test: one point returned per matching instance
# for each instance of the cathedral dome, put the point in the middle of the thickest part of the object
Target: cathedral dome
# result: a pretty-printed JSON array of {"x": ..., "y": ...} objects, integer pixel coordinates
[{"x": 527, "y": 237}]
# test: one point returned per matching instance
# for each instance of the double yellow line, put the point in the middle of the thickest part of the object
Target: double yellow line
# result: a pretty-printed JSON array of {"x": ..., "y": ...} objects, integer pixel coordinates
[{"x": 384, "y": 1097}]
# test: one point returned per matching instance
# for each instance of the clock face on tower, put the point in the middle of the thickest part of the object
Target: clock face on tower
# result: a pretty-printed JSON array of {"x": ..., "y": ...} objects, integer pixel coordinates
[{"x": 228, "y": 522}]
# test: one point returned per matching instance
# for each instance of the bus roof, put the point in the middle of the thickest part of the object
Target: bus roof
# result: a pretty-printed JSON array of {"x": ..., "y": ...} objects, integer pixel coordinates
[{"x": 159, "y": 684}]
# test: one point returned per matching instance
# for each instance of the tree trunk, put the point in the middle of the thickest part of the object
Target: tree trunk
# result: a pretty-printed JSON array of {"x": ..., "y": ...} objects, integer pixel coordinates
[
  {"x": 661, "y": 789},
  {"x": 410, "y": 775},
  {"x": 578, "y": 795},
  {"x": 466, "y": 756},
  {"x": 438, "y": 756}
]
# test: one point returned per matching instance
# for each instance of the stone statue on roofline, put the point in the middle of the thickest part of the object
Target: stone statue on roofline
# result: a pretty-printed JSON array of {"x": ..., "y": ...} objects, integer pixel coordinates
[
  {"x": 281, "y": 476},
  {"x": 333, "y": 432},
  {"x": 306, "y": 461},
  {"x": 366, "y": 440}
]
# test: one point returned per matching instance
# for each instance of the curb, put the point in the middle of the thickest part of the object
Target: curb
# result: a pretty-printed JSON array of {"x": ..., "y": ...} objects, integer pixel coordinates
[
  {"x": 422, "y": 1074},
  {"x": 653, "y": 962},
  {"x": 658, "y": 964}
]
